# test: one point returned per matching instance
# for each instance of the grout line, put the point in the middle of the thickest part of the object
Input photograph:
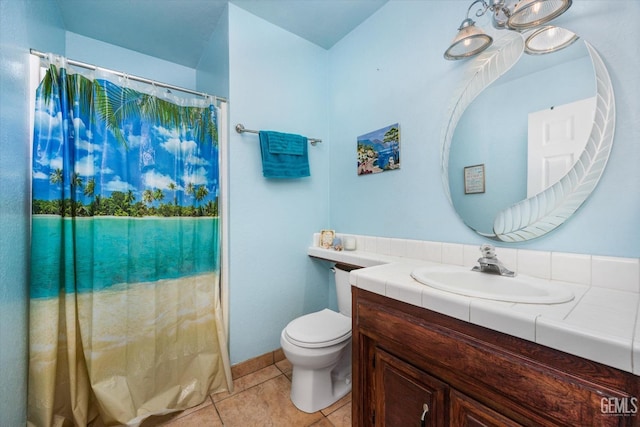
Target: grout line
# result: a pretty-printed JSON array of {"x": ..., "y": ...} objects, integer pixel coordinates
[
  {"x": 324, "y": 415},
  {"x": 236, "y": 393},
  {"x": 215, "y": 407}
]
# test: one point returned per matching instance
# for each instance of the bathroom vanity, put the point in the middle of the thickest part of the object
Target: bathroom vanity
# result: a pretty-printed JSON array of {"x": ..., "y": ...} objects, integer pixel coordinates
[
  {"x": 415, "y": 367},
  {"x": 461, "y": 360}
]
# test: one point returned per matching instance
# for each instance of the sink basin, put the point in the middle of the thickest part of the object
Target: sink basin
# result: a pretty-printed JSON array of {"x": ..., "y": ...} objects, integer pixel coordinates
[{"x": 519, "y": 289}]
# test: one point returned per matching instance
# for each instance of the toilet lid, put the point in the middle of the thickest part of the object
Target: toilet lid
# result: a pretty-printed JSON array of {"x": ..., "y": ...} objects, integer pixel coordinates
[{"x": 320, "y": 329}]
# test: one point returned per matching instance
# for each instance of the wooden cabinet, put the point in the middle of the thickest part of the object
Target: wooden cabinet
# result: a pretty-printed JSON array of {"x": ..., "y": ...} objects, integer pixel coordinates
[
  {"x": 421, "y": 396},
  {"x": 409, "y": 361}
]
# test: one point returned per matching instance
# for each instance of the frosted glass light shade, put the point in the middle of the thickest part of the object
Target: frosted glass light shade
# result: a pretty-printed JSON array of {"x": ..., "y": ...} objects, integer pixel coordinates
[
  {"x": 549, "y": 39},
  {"x": 469, "y": 41},
  {"x": 532, "y": 13}
]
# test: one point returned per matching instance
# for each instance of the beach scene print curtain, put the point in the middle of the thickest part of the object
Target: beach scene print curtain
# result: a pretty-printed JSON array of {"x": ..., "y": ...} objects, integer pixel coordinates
[{"x": 125, "y": 316}]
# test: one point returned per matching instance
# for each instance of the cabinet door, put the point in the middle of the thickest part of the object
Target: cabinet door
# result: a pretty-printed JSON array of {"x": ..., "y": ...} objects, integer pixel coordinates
[
  {"x": 406, "y": 396},
  {"x": 466, "y": 412}
]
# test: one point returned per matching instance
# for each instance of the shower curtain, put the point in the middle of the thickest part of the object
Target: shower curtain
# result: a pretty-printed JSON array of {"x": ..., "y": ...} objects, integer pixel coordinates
[{"x": 125, "y": 316}]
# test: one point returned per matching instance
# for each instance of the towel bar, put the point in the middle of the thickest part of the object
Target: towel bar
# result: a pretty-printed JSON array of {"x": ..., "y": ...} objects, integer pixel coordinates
[{"x": 241, "y": 129}]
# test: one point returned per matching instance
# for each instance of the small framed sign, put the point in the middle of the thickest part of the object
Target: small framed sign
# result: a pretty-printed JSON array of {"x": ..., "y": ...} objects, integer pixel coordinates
[{"x": 474, "y": 179}]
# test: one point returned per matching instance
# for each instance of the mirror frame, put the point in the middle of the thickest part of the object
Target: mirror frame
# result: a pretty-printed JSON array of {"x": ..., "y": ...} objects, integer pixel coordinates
[{"x": 544, "y": 212}]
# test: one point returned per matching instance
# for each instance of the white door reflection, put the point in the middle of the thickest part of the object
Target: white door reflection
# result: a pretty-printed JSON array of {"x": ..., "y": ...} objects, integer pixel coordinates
[{"x": 557, "y": 137}]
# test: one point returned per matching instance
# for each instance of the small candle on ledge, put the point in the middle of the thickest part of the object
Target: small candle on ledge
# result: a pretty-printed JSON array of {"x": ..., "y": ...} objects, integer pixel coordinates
[{"x": 350, "y": 243}]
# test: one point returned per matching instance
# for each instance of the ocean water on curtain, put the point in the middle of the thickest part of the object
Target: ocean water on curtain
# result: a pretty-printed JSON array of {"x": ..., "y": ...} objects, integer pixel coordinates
[{"x": 119, "y": 250}]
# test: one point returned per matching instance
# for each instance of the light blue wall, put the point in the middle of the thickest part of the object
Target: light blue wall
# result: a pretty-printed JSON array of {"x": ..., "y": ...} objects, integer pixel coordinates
[
  {"x": 391, "y": 69},
  {"x": 212, "y": 72},
  {"x": 277, "y": 82},
  {"x": 116, "y": 58},
  {"x": 23, "y": 24}
]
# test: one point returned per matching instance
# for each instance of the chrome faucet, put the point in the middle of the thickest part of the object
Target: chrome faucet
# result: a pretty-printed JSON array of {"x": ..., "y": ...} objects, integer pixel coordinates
[{"x": 489, "y": 262}]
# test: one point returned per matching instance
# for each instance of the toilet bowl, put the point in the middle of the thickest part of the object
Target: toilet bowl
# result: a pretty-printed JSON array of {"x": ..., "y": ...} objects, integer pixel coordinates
[{"x": 318, "y": 345}]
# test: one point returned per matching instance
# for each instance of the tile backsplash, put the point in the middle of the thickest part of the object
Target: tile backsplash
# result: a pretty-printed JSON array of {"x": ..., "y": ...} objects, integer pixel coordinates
[{"x": 621, "y": 274}]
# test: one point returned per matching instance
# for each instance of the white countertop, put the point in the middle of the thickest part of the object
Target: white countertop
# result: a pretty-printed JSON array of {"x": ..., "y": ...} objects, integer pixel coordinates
[{"x": 598, "y": 324}]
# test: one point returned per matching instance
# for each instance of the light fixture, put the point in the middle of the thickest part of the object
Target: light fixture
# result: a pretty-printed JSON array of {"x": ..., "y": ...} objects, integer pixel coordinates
[
  {"x": 505, "y": 14},
  {"x": 469, "y": 41},
  {"x": 532, "y": 13},
  {"x": 549, "y": 39}
]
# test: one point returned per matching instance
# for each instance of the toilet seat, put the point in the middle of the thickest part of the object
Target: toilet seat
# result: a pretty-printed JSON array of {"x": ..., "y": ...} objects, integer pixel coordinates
[{"x": 320, "y": 329}]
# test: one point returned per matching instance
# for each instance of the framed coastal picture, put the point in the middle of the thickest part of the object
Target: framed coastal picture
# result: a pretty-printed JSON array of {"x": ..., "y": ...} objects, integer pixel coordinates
[
  {"x": 474, "y": 179},
  {"x": 379, "y": 150}
]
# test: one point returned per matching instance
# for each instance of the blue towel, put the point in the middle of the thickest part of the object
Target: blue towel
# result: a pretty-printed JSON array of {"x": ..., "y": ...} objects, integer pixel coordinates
[{"x": 284, "y": 155}]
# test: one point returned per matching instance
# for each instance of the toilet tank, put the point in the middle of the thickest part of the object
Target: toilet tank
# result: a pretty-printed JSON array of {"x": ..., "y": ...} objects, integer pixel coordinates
[{"x": 343, "y": 288}]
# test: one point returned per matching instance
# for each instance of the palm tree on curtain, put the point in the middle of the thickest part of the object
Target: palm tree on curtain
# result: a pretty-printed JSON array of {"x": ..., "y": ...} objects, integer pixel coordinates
[
  {"x": 110, "y": 104},
  {"x": 90, "y": 188},
  {"x": 56, "y": 176},
  {"x": 76, "y": 181},
  {"x": 158, "y": 194},
  {"x": 129, "y": 197},
  {"x": 201, "y": 193},
  {"x": 147, "y": 196},
  {"x": 172, "y": 186},
  {"x": 96, "y": 205},
  {"x": 190, "y": 189},
  {"x": 211, "y": 208},
  {"x": 114, "y": 103},
  {"x": 89, "y": 191}
]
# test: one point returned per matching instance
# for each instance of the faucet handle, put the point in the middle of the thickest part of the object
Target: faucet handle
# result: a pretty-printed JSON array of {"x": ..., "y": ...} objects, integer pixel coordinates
[{"x": 488, "y": 251}]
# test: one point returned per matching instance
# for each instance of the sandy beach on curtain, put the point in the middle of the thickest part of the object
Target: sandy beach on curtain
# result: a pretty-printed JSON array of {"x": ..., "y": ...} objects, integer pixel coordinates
[{"x": 139, "y": 339}]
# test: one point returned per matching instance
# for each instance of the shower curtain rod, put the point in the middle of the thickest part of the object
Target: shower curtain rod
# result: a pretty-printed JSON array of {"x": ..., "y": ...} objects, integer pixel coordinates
[{"x": 136, "y": 78}]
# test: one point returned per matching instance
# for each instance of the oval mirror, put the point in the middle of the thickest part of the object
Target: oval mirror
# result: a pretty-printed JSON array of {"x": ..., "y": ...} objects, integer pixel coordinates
[{"x": 527, "y": 139}]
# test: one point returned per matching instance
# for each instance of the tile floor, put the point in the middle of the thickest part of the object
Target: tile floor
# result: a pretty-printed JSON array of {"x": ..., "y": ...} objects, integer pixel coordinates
[{"x": 259, "y": 399}]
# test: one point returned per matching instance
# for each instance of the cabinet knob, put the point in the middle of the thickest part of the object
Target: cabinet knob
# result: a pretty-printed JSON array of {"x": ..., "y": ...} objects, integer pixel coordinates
[{"x": 423, "y": 419}]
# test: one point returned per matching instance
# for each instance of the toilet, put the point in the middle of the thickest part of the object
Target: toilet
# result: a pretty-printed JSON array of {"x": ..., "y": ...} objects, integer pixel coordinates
[{"x": 318, "y": 345}]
